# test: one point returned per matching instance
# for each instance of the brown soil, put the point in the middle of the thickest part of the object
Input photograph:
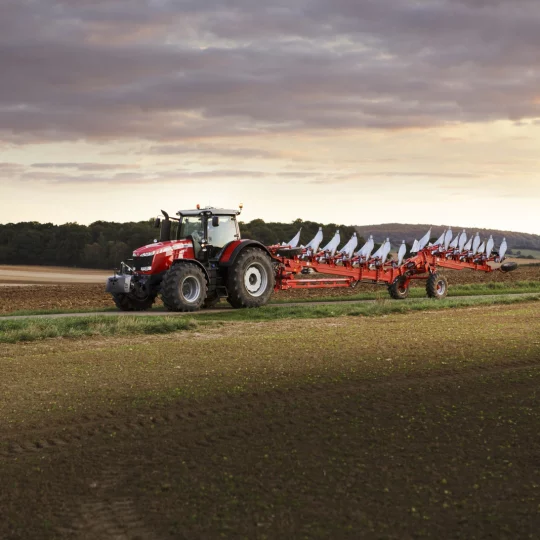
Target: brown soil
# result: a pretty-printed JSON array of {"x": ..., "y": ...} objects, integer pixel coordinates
[
  {"x": 424, "y": 426},
  {"x": 86, "y": 296}
]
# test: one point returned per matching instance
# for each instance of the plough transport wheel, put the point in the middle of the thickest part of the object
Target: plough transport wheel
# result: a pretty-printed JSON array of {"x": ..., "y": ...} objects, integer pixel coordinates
[
  {"x": 251, "y": 279},
  {"x": 399, "y": 290},
  {"x": 437, "y": 286},
  {"x": 184, "y": 288}
]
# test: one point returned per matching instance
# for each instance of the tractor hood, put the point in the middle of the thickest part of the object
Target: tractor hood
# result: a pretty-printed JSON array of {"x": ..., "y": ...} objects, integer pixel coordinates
[{"x": 161, "y": 247}]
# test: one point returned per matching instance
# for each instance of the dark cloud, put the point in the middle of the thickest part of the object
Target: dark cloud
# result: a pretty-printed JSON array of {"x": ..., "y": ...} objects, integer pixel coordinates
[{"x": 169, "y": 71}]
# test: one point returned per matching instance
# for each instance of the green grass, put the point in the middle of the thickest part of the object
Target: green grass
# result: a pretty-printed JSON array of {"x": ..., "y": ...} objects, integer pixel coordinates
[
  {"x": 372, "y": 309},
  {"x": 77, "y": 327}
]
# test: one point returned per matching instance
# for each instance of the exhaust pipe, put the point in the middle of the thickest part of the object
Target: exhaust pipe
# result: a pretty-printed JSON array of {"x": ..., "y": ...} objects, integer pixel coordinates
[{"x": 165, "y": 231}]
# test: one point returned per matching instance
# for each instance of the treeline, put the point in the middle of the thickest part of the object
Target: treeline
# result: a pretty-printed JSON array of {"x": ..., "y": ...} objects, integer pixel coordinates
[{"x": 104, "y": 244}]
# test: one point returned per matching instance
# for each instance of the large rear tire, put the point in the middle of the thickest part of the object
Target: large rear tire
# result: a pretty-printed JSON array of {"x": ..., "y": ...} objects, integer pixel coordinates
[
  {"x": 399, "y": 290},
  {"x": 184, "y": 288},
  {"x": 251, "y": 279},
  {"x": 437, "y": 286},
  {"x": 129, "y": 302}
]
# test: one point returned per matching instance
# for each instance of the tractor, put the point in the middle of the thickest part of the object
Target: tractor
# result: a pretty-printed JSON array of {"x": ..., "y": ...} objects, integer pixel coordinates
[{"x": 199, "y": 259}]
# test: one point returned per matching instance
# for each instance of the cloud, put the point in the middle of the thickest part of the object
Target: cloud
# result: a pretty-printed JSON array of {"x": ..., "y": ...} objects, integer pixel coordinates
[
  {"x": 84, "y": 166},
  {"x": 179, "y": 149},
  {"x": 169, "y": 71}
]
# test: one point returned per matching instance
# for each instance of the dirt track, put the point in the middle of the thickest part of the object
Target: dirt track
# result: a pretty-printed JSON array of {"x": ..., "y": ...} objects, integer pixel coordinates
[
  {"x": 24, "y": 275},
  {"x": 423, "y": 426}
]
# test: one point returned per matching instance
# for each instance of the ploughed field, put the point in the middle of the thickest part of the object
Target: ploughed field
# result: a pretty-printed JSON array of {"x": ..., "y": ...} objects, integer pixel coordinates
[
  {"x": 422, "y": 425},
  {"x": 72, "y": 295}
]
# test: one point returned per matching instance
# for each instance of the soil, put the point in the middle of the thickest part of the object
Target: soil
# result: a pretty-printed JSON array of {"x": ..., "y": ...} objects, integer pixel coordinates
[
  {"x": 71, "y": 296},
  {"x": 417, "y": 426}
]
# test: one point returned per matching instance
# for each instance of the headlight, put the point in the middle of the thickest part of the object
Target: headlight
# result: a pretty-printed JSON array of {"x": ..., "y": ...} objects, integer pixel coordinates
[{"x": 149, "y": 254}]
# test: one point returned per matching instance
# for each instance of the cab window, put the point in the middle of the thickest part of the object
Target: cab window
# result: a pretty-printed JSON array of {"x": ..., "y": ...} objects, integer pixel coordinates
[
  {"x": 192, "y": 225},
  {"x": 224, "y": 233}
]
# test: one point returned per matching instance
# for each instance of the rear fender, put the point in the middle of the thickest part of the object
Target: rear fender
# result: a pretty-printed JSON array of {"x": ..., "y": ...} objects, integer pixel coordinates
[{"x": 232, "y": 250}]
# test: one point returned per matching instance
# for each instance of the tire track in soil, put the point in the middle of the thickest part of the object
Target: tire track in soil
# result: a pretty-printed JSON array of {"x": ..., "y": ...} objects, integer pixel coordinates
[
  {"x": 103, "y": 515},
  {"x": 99, "y": 516},
  {"x": 194, "y": 420}
]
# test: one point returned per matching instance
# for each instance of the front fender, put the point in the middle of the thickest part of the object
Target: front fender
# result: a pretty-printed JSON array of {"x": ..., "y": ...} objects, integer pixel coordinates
[{"x": 193, "y": 261}]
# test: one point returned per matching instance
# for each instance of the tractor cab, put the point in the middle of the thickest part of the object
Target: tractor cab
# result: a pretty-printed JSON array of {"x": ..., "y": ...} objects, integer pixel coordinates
[{"x": 209, "y": 229}]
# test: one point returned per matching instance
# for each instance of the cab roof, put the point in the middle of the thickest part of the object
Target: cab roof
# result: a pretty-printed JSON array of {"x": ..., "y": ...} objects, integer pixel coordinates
[{"x": 209, "y": 211}]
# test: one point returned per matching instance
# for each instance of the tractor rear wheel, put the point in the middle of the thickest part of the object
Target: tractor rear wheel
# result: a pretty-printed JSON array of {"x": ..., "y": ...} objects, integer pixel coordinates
[
  {"x": 129, "y": 302},
  {"x": 184, "y": 288},
  {"x": 251, "y": 279},
  {"x": 399, "y": 290},
  {"x": 437, "y": 286}
]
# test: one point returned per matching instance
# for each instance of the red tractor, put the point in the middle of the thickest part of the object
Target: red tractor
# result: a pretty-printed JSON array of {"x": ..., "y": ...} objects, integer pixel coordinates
[{"x": 199, "y": 259}]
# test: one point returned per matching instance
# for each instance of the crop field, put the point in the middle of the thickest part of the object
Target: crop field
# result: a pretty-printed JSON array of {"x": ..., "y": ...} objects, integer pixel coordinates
[{"x": 415, "y": 425}]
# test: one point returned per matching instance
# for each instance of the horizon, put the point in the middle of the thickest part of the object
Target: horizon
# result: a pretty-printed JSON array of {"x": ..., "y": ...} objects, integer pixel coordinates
[{"x": 354, "y": 113}]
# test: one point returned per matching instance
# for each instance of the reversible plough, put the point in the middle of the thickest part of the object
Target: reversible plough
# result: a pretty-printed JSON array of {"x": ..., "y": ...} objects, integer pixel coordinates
[
  {"x": 364, "y": 265},
  {"x": 205, "y": 260}
]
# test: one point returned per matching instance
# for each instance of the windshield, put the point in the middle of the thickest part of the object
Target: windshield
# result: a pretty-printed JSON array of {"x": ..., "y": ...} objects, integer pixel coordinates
[{"x": 191, "y": 225}]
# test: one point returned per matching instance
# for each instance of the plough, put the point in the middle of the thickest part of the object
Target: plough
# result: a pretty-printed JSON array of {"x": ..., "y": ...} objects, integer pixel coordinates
[
  {"x": 456, "y": 253},
  {"x": 206, "y": 260}
]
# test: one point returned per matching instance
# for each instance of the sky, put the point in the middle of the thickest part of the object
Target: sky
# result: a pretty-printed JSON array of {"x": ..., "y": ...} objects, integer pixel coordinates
[{"x": 349, "y": 111}]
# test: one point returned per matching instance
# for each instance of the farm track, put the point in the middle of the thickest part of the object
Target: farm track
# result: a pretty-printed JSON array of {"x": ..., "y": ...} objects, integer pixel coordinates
[{"x": 158, "y": 313}]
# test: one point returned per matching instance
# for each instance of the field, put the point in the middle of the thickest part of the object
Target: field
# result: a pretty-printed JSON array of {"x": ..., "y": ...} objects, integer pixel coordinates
[
  {"x": 386, "y": 419},
  {"x": 422, "y": 425},
  {"x": 87, "y": 296}
]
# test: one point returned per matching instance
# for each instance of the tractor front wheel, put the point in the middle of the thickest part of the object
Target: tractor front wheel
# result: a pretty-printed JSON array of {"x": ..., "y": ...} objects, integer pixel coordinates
[
  {"x": 437, "y": 286},
  {"x": 399, "y": 290},
  {"x": 251, "y": 279},
  {"x": 184, "y": 288},
  {"x": 131, "y": 302}
]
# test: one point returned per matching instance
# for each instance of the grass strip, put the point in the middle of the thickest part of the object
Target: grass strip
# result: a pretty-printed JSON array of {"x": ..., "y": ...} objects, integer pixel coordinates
[
  {"x": 77, "y": 327},
  {"x": 373, "y": 309}
]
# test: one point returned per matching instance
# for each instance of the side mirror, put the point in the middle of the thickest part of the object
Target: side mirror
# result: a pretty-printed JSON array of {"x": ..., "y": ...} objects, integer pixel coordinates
[
  {"x": 215, "y": 221},
  {"x": 157, "y": 223}
]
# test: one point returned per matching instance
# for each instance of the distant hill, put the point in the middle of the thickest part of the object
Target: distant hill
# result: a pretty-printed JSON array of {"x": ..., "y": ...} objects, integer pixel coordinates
[{"x": 400, "y": 231}]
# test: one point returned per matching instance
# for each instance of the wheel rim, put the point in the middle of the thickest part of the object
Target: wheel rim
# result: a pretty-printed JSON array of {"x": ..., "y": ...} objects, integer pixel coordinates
[
  {"x": 191, "y": 289},
  {"x": 441, "y": 287},
  {"x": 256, "y": 279}
]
